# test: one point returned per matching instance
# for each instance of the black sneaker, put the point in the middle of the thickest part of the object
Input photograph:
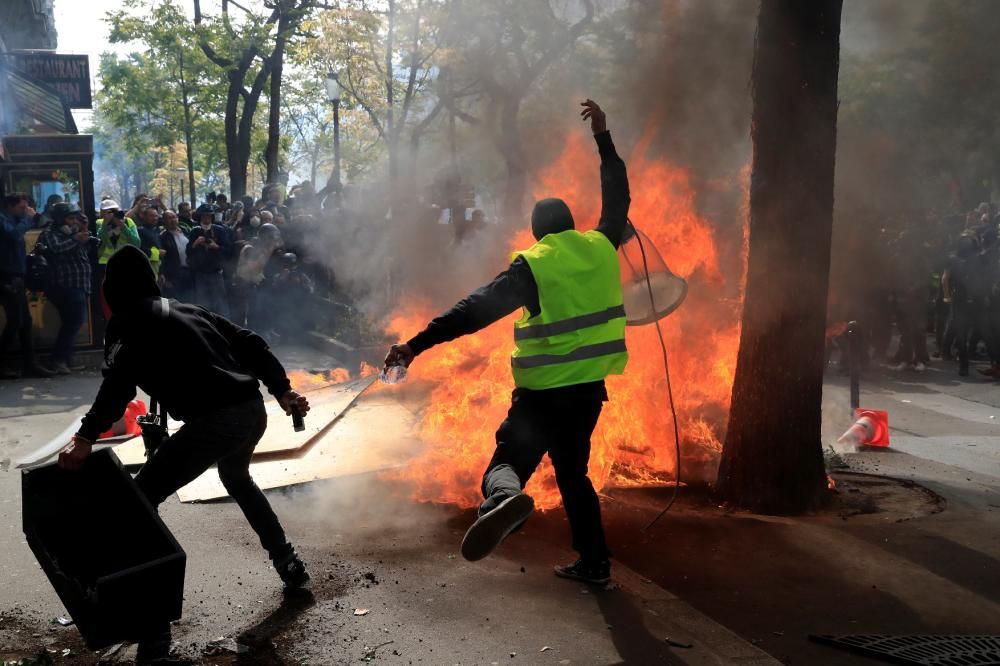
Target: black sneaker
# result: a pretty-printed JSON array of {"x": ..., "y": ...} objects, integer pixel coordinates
[
  {"x": 292, "y": 571},
  {"x": 492, "y": 528},
  {"x": 595, "y": 573}
]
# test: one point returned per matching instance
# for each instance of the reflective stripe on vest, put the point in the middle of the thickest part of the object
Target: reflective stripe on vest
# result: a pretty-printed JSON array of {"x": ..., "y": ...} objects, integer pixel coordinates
[
  {"x": 578, "y": 335},
  {"x": 578, "y": 354},
  {"x": 568, "y": 325}
]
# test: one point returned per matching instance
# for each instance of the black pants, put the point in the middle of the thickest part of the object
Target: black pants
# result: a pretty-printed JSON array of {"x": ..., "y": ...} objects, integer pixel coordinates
[
  {"x": 14, "y": 301},
  {"x": 561, "y": 426},
  {"x": 227, "y": 439},
  {"x": 960, "y": 325},
  {"x": 911, "y": 317}
]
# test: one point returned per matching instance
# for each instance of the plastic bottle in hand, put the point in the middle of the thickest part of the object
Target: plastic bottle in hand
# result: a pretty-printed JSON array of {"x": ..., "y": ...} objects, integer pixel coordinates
[{"x": 394, "y": 374}]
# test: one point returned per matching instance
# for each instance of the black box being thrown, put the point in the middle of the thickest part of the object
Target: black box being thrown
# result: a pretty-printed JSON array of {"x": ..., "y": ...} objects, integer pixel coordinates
[{"x": 114, "y": 564}]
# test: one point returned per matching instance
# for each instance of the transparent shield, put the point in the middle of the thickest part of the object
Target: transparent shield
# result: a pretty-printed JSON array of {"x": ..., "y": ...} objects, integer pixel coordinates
[{"x": 647, "y": 300}]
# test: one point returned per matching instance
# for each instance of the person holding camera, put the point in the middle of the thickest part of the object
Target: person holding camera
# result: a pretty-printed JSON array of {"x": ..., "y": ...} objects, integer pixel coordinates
[
  {"x": 208, "y": 247},
  {"x": 115, "y": 230},
  {"x": 67, "y": 242}
]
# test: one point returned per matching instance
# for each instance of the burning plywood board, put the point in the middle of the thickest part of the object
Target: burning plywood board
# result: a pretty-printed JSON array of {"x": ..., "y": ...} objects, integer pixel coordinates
[
  {"x": 326, "y": 404},
  {"x": 377, "y": 433}
]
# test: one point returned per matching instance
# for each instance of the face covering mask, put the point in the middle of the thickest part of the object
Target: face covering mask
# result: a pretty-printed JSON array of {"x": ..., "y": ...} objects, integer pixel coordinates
[
  {"x": 255, "y": 221},
  {"x": 66, "y": 229}
]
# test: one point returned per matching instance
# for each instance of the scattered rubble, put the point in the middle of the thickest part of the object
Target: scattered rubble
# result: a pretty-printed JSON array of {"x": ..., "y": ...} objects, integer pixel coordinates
[{"x": 225, "y": 645}]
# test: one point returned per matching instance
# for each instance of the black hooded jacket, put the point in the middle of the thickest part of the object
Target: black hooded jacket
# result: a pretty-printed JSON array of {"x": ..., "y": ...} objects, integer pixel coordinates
[{"x": 191, "y": 360}]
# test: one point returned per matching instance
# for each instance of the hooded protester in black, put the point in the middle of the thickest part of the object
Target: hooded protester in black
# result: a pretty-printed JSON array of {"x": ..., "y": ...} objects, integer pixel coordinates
[
  {"x": 203, "y": 370},
  {"x": 129, "y": 280},
  {"x": 192, "y": 361}
]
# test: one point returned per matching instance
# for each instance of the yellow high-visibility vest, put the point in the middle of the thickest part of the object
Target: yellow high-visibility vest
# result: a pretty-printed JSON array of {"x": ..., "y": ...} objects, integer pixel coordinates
[{"x": 579, "y": 334}]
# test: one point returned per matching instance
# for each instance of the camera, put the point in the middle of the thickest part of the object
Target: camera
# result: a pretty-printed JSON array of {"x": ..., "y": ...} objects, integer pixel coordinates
[{"x": 119, "y": 215}]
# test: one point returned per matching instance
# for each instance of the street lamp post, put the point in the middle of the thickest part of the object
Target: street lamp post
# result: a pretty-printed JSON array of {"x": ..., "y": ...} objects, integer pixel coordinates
[{"x": 333, "y": 95}]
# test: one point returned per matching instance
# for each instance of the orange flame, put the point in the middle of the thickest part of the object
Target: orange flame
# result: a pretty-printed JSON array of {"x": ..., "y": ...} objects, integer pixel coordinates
[
  {"x": 303, "y": 380},
  {"x": 634, "y": 442}
]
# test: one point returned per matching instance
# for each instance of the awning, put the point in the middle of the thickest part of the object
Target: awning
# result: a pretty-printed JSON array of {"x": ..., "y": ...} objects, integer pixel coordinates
[{"x": 39, "y": 102}]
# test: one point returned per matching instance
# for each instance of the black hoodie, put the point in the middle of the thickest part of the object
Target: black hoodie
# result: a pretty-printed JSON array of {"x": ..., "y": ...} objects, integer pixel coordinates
[{"x": 191, "y": 360}]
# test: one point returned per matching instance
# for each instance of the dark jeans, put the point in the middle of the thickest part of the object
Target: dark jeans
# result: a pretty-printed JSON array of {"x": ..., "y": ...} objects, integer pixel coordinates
[
  {"x": 14, "y": 302},
  {"x": 71, "y": 302},
  {"x": 986, "y": 319},
  {"x": 960, "y": 323},
  {"x": 226, "y": 438},
  {"x": 561, "y": 426}
]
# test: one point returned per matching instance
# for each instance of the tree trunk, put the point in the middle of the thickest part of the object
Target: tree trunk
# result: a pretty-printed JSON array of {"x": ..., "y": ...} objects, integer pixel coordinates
[
  {"x": 513, "y": 152},
  {"x": 237, "y": 178},
  {"x": 188, "y": 122},
  {"x": 772, "y": 460},
  {"x": 274, "y": 113},
  {"x": 314, "y": 163},
  {"x": 390, "y": 80}
]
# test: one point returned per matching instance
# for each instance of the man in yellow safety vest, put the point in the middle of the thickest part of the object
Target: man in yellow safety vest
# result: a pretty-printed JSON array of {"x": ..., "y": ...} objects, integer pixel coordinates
[
  {"x": 570, "y": 336},
  {"x": 115, "y": 231}
]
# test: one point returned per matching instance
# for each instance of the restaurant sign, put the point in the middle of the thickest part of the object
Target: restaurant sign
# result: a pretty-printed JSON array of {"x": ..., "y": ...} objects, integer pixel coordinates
[{"x": 68, "y": 74}]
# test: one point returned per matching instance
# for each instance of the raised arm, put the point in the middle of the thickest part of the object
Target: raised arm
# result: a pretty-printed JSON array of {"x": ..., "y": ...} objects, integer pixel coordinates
[{"x": 615, "y": 198}]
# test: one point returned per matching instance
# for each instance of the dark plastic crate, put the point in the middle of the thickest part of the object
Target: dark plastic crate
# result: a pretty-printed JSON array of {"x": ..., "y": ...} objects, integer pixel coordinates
[{"x": 114, "y": 564}]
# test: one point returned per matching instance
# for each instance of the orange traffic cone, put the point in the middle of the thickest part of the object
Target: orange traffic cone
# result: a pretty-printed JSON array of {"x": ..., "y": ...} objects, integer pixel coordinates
[
  {"x": 870, "y": 429},
  {"x": 127, "y": 424}
]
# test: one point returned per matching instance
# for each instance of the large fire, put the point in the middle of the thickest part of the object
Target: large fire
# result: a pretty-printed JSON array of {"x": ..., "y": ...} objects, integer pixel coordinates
[{"x": 471, "y": 379}]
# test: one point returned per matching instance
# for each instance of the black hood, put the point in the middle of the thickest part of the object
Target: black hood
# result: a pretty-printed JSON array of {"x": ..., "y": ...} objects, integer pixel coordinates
[
  {"x": 129, "y": 280},
  {"x": 550, "y": 216}
]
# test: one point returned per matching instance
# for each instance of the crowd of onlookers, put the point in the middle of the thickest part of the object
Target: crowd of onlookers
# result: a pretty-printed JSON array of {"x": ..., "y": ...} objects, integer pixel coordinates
[
  {"x": 936, "y": 280},
  {"x": 240, "y": 259}
]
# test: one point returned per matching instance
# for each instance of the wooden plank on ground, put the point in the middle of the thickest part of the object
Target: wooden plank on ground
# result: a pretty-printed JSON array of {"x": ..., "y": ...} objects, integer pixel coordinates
[
  {"x": 326, "y": 404},
  {"x": 376, "y": 434}
]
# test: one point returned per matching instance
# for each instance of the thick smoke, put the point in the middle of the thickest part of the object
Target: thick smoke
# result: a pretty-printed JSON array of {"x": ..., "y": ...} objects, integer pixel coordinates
[{"x": 675, "y": 74}]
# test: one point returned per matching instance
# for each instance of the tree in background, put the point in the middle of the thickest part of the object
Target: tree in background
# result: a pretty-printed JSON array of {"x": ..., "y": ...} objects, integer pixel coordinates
[
  {"x": 504, "y": 48},
  {"x": 129, "y": 102},
  {"x": 920, "y": 111},
  {"x": 176, "y": 75},
  {"x": 385, "y": 62},
  {"x": 251, "y": 52},
  {"x": 772, "y": 460},
  {"x": 308, "y": 118}
]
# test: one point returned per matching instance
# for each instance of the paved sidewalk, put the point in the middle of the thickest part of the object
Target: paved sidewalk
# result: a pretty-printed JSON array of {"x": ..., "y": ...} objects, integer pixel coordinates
[{"x": 389, "y": 585}]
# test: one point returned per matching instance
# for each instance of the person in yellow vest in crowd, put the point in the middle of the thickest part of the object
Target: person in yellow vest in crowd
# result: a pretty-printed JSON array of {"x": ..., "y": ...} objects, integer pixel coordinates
[
  {"x": 570, "y": 336},
  {"x": 149, "y": 237},
  {"x": 114, "y": 231}
]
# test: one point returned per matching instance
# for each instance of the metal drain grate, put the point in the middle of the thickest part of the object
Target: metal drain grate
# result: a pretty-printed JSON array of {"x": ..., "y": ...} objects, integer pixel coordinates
[{"x": 928, "y": 650}]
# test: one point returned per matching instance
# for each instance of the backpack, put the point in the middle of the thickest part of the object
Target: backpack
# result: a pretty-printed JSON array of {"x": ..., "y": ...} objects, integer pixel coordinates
[{"x": 37, "y": 275}]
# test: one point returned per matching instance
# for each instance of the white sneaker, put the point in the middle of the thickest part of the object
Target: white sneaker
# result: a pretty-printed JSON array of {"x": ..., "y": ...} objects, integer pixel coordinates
[
  {"x": 901, "y": 366},
  {"x": 920, "y": 367}
]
